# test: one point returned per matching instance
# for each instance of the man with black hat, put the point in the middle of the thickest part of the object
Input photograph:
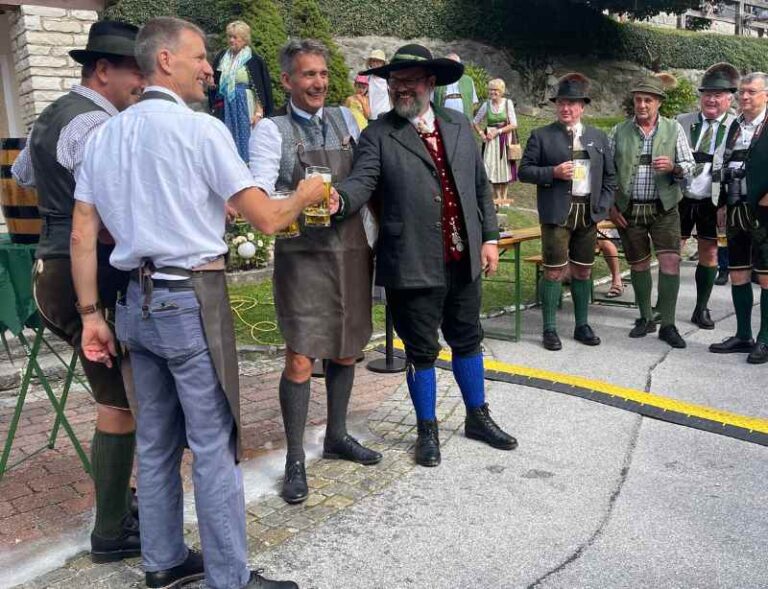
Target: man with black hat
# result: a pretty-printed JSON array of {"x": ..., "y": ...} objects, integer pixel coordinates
[
  {"x": 111, "y": 82},
  {"x": 572, "y": 166},
  {"x": 706, "y": 130},
  {"x": 743, "y": 190},
  {"x": 652, "y": 156},
  {"x": 420, "y": 165}
]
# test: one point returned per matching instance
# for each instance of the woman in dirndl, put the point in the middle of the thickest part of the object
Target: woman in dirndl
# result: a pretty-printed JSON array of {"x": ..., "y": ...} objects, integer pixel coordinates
[{"x": 496, "y": 123}]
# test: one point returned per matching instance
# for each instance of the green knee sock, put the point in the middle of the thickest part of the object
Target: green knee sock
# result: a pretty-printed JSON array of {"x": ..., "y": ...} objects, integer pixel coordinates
[
  {"x": 743, "y": 300},
  {"x": 550, "y": 299},
  {"x": 642, "y": 284},
  {"x": 112, "y": 462},
  {"x": 581, "y": 290},
  {"x": 762, "y": 335},
  {"x": 705, "y": 280},
  {"x": 669, "y": 286}
]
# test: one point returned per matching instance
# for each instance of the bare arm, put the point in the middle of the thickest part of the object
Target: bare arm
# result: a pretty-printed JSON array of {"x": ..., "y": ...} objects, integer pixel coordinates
[
  {"x": 270, "y": 216},
  {"x": 97, "y": 341}
]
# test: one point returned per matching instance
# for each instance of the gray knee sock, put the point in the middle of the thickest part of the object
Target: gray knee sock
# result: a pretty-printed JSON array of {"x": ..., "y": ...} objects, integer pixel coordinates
[
  {"x": 294, "y": 404},
  {"x": 338, "y": 385}
]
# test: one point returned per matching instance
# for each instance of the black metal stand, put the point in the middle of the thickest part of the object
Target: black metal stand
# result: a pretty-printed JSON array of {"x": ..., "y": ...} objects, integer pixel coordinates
[{"x": 389, "y": 364}]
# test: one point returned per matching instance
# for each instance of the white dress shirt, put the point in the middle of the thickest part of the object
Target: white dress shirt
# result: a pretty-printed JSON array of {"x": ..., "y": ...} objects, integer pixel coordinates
[
  {"x": 701, "y": 185},
  {"x": 159, "y": 174},
  {"x": 458, "y": 103},
  {"x": 744, "y": 140},
  {"x": 265, "y": 147},
  {"x": 378, "y": 96}
]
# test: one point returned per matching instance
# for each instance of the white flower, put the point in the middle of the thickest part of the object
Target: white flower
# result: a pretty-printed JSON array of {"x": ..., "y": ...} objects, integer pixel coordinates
[
  {"x": 250, "y": 236},
  {"x": 260, "y": 243}
]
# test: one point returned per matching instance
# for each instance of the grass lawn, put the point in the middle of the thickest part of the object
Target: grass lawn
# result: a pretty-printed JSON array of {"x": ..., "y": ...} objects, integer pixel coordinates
[{"x": 255, "y": 310}]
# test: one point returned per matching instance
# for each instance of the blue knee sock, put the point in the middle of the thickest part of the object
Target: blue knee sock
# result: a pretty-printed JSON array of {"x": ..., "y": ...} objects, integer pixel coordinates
[
  {"x": 422, "y": 384},
  {"x": 470, "y": 376}
]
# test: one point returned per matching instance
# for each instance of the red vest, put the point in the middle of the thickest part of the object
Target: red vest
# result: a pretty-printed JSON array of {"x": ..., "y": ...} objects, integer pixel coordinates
[{"x": 454, "y": 233}]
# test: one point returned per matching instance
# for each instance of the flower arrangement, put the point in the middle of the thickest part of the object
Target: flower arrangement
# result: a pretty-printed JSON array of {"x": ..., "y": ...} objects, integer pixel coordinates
[{"x": 248, "y": 249}]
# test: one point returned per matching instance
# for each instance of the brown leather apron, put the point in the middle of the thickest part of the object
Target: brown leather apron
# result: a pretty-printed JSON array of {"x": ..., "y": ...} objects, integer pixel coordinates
[{"x": 322, "y": 279}]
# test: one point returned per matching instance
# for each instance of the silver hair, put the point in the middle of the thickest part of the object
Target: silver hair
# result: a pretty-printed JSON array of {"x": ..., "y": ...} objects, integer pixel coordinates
[
  {"x": 159, "y": 33},
  {"x": 296, "y": 47},
  {"x": 754, "y": 77}
]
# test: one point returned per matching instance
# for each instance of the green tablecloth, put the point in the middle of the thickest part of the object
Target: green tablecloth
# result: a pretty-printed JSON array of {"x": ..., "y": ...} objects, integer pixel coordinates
[{"x": 17, "y": 306}]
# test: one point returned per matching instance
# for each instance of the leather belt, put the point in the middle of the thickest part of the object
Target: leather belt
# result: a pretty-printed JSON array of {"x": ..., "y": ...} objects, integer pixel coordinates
[
  {"x": 701, "y": 157},
  {"x": 581, "y": 154},
  {"x": 451, "y": 96},
  {"x": 580, "y": 198},
  {"x": 738, "y": 155}
]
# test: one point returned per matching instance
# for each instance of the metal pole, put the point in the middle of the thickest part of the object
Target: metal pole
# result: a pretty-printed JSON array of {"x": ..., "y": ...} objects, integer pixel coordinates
[{"x": 389, "y": 364}]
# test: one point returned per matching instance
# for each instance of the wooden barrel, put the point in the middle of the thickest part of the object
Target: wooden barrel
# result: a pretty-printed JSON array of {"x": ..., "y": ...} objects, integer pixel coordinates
[{"x": 19, "y": 204}]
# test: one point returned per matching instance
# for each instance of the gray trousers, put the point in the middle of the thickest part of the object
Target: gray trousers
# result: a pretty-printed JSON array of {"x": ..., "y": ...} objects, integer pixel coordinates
[{"x": 180, "y": 401}]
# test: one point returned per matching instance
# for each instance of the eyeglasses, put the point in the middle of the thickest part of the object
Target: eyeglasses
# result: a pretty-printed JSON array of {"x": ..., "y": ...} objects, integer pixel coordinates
[{"x": 405, "y": 82}]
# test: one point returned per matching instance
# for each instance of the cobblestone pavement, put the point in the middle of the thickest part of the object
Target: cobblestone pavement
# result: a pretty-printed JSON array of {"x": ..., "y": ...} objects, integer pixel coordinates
[
  {"x": 50, "y": 495},
  {"x": 334, "y": 486}
]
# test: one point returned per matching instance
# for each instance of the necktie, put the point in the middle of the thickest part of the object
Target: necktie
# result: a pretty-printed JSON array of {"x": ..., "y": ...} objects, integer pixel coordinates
[
  {"x": 316, "y": 123},
  {"x": 705, "y": 145}
]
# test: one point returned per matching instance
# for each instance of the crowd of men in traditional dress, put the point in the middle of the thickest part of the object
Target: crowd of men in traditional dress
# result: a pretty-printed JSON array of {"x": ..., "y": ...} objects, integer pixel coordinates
[{"x": 134, "y": 188}]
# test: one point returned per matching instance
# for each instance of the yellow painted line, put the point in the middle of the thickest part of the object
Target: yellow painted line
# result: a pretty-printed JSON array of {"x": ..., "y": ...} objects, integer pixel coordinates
[{"x": 755, "y": 424}]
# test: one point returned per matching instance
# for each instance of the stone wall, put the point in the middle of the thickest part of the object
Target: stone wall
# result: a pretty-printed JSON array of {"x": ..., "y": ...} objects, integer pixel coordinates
[{"x": 41, "y": 39}]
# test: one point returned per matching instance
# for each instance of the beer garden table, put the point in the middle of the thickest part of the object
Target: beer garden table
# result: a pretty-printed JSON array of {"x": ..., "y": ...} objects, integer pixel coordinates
[
  {"x": 17, "y": 311},
  {"x": 511, "y": 242}
]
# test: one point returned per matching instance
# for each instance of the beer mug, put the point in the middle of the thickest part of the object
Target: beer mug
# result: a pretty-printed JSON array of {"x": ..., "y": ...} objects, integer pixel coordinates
[
  {"x": 293, "y": 229},
  {"x": 579, "y": 171},
  {"x": 319, "y": 215}
]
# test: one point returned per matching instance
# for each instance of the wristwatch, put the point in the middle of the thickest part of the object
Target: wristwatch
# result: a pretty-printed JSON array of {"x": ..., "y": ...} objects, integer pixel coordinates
[{"x": 88, "y": 309}]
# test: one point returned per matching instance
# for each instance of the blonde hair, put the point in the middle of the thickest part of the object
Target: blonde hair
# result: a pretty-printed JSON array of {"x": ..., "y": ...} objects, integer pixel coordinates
[
  {"x": 240, "y": 29},
  {"x": 497, "y": 84}
]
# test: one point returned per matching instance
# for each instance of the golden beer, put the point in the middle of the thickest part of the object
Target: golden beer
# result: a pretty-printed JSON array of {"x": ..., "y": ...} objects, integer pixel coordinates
[
  {"x": 293, "y": 229},
  {"x": 319, "y": 215}
]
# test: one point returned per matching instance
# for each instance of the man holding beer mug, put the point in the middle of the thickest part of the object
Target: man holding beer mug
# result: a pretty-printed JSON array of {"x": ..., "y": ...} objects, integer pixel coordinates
[{"x": 322, "y": 278}]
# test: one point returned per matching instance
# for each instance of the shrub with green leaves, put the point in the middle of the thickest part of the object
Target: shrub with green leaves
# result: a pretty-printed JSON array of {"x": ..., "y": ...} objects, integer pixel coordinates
[{"x": 480, "y": 77}]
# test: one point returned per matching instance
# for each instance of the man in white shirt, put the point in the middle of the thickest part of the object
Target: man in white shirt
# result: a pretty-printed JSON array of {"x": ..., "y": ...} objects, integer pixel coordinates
[
  {"x": 461, "y": 95},
  {"x": 378, "y": 93},
  {"x": 157, "y": 177},
  {"x": 745, "y": 222},
  {"x": 706, "y": 130}
]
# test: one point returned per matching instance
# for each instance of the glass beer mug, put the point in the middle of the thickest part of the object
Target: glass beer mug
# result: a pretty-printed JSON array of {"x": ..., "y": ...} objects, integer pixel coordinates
[
  {"x": 319, "y": 215},
  {"x": 293, "y": 229}
]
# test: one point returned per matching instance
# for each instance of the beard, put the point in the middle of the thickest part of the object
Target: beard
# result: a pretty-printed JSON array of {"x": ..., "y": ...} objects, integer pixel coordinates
[{"x": 406, "y": 108}]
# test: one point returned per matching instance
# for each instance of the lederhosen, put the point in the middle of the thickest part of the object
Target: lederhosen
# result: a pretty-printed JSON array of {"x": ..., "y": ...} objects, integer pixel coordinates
[
  {"x": 53, "y": 287},
  {"x": 700, "y": 212},
  {"x": 743, "y": 228},
  {"x": 210, "y": 288},
  {"x": 322, "y": 279}
]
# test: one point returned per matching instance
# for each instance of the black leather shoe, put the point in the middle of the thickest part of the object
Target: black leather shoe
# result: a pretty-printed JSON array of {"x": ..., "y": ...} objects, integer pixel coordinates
[
  {"x": 551, "y": 340},
  {"x": 134, "y": 503},
  {"x": 258, "y": 582},
  {"x": 702, "y": 318},
  {"x": 721, "y": 278},
  {"x": 585, "y": 335},
  {"x": 348, "y": 448},
  {"x": 642, "y": 328},
  {"x": 733, "y": 345},
  {"x": 428, "y": 443},
  {"x": 295, "y": 489},
  {"x": 479, "y": 425},
  {"x": 759, "y": 354},
  {"x": 190, "y": 570},
  {"x": 126, "y": 545},
  {"x": 669, "y": 334}
]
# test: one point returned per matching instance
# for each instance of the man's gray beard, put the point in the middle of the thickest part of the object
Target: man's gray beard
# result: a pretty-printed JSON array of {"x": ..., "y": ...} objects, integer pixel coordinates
[{"x": 414, "y": 110}]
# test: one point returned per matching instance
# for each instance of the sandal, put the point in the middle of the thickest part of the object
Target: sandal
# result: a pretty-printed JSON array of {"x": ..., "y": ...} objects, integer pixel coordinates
[{"x": 615, "y": 291}]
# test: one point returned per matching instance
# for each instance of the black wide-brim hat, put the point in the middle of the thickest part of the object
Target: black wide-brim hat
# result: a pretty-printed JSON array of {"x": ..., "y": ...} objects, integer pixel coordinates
[
  {"x": 574, "y": 86},
  {"x": 107, "y": 37},
  {"x": 445, "y": 70}
]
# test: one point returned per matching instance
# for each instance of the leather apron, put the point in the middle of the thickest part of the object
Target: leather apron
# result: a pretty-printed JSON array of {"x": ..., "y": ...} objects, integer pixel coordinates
[
  {"x": 210, "y": 287},
  {"x": 322, "y": 279}
]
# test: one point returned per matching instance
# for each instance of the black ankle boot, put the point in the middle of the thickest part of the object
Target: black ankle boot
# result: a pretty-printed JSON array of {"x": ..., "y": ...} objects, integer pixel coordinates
[
  {"x": 428, "y": 443},
  {"x": 126, "y": 545},
  {"x": 295, "y": 489},
  {"x": 479, "y": 425}
]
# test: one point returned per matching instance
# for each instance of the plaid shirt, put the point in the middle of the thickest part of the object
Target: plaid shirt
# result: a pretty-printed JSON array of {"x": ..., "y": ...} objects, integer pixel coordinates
[
  {"x": 644, "y": 186},
  {"x": 72, "y": 139}
]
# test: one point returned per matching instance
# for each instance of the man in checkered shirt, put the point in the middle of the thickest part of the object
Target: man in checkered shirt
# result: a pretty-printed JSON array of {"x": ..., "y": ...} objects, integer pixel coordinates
[{"x": 652, "y": 157}]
